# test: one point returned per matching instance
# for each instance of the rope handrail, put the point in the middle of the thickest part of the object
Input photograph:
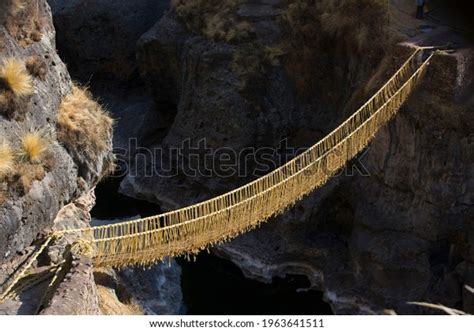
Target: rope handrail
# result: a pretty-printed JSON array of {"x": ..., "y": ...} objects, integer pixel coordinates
[
  {"x": 136, "y": 239},
  {"x": 23, "y": 271},
  {"x": 268, "y": 189}
]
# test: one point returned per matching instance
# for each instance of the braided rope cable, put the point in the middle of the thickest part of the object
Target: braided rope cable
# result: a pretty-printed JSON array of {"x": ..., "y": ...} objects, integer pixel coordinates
[
  {"x": 206, "y": 207},
  {"x": 26, "y": 267}
]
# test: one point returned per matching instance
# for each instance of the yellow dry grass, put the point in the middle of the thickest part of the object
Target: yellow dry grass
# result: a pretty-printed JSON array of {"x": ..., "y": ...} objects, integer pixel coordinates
[
  {"x": 83, "y": 125},
  {"x": 11, "y": 8},
  {"x": 17, "y": 6},
  {"x": 34, "y": 144},
  {"x": 36, "y": 67},
  {"x": 26, "y": 174},
  {"x": 15, "y": 77},
  {"x": 109, "y": 304},
  {"x": 7, "y": 159}
]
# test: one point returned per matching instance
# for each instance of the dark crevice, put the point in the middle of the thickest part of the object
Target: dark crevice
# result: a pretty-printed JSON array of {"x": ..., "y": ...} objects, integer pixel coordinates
[{"x": 212, "y": 285}]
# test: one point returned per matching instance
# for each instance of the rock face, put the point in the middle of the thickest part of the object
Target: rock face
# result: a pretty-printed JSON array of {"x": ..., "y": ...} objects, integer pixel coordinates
[
  {"x": 22, "y": 218},
  {"x": 77, "y": 294},
  {"x": 30, "y": 208},
  {"x": 98, "y": 37},
  {"x": 97, "y": 40},
  {"x": 415, "y": 211},
  {"x": 404, "y": 232},
  {"x": 45, "y": 176},
  {"x": 225, "y": 97},
  {"x": 371, "y": 243},
  {"x": 157, "y": 290}
]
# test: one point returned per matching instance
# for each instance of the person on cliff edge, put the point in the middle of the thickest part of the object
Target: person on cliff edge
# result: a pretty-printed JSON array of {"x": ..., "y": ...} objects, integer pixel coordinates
[{"x": 420, "y": 6}]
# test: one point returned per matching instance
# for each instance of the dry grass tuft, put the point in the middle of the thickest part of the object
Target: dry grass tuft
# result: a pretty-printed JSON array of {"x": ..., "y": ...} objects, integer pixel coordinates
[
  {"x": 251, "y": 62},
  {"x": 20, "y": 168},
  {"x": 36, "y": 67},
  {"x": 34, "y": 144},
  {"x": 83, "y": 125},
  {"x": 110, "y": 304},
  {"x": 274, "y": 54},
  {"x": 360, "y": 24},
  {"x": 7, "y": 159},
  {"x": 11, "y": 8},
  {"x": 15, "y": 88},
  {"x": 23, "y": 19},
  {"x": 26, "y": 175},
  {"x": 15, "y": 78},
  {"x": 27, "y": 162},
  {"x": 17, "y": 6}
]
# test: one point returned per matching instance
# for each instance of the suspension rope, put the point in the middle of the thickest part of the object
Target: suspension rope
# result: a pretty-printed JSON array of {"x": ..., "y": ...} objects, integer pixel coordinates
[
  {"x": 138, "y": 243},
  {"x": 188, "y": 230}
]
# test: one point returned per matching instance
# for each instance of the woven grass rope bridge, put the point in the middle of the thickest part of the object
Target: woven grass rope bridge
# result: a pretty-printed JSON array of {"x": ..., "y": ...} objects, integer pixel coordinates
[{"x": 197, "y": 227}]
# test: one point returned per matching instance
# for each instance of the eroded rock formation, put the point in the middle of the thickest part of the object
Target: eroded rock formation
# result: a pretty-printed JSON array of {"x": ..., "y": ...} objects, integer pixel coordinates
[
  {"x": 40, "y": 174},
  {"x": 371, "y": 243},
  {"x": 30, "y": 202}
]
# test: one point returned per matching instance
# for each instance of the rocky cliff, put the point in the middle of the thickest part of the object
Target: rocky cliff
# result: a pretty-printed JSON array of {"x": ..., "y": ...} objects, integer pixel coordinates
[
  {"x": 47, "y": 173},
  {"x": 401, "y": 230},
  {"x": 31, "y": 211},
  {"x": 56, "y": 141},
  {"x": 395, "y": 231},
  {"x": 254, "y": 80}
]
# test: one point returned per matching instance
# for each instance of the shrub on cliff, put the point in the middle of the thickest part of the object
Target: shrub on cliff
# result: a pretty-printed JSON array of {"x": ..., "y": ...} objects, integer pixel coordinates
[
  {"x": 23, "y": 19},
  {"x": 34, "y": 144},
  {"x": 15, "y": 86},
  {"x": 6, "y": 159},
  {"x": 83, "y": 126},
  {"x": 15, "y": 78},
  {"x": 10, "y": 7},
  {"x": 28, "y": 162},
  {"x": 36, "y": 67},
  {"x": 17, "y": 6}
]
